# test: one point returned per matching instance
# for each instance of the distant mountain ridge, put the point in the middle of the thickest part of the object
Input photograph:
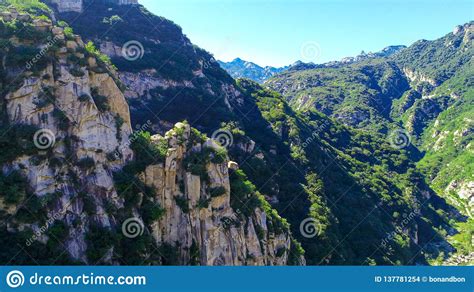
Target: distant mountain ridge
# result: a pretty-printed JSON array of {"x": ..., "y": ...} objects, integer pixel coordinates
[
  {"x": 385, "y": 52},
  {"x": 239, "y": 68}
]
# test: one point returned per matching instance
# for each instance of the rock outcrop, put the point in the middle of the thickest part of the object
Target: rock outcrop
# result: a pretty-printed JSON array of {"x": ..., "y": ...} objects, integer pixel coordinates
[
  {"x": 81, "y": 116},
  {"x": 465, "y": 192},
  {"x": 222, "y": 234}
]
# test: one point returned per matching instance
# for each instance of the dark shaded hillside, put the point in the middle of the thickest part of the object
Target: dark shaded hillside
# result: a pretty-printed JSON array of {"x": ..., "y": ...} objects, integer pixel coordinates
[
  {"x": 190, "y": 78},
  {"x": 357, "y": 186}
]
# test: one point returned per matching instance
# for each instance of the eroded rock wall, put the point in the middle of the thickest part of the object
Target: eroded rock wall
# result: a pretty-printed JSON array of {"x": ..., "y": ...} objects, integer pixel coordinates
[{"x": 224, "y": 236}]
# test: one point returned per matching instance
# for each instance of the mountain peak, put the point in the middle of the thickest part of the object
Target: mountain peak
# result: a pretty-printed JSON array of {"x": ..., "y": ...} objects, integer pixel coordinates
[
  {"x": 239, "y": 68},
  {"x": 391, "y": 49},
  {"x": 458, "y": 29}
]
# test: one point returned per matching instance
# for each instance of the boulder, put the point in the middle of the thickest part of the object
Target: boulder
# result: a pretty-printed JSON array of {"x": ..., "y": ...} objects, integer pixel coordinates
[
  {"x": 71, "y": 45},
  {"x": 42, "y": 24},
  {"x": 233, "y": 165},
  {"x": 7, "y": 16},
  {"x": 24, "y": 17}
]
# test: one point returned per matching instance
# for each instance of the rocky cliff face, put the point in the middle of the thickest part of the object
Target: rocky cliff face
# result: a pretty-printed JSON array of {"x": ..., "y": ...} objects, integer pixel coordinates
[
  {"x": 205, "y": 220},
  {"x": 74, "y": 133}
]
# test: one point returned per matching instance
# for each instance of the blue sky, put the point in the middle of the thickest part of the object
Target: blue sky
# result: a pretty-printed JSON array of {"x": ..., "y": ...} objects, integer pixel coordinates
[{"x": 280, "y": 32}]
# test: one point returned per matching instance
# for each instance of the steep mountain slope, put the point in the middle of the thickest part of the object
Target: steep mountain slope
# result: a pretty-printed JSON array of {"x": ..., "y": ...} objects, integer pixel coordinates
[
  {"x": 374, "y": 91},
  {"x": 385, "y": 52},
  {"x": 199, "y": 218},
  {"x": 447, "y": 137},
  {"x": 358, "y": 94},
  {"x": 78, "y": 188},
  {"x": 359, "y": 188},
  {"x": 439, "y": 72},
  {"x": 239, "y": 68},
  {"x": 353, "y": 187},
  {"x": 425, "y": 88},
  {"x": 160, "y": 66}
]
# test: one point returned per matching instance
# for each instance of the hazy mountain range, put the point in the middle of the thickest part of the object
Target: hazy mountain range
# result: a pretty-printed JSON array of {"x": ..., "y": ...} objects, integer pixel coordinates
[{"x": 239, "y": 68}]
